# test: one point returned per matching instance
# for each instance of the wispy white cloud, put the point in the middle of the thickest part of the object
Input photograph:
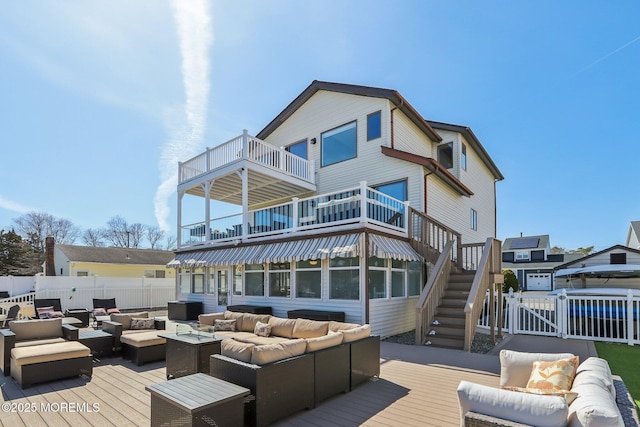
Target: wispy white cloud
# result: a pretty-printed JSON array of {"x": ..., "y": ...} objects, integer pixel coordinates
[
  {"x": 195, "y": 33},
  {"x": 13, "y": 206},
  {"x": 613, "y": 52}
]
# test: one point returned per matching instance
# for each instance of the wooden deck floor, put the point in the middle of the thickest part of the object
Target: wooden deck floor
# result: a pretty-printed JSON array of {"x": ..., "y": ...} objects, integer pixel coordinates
[{"x": 416, "y": 388}]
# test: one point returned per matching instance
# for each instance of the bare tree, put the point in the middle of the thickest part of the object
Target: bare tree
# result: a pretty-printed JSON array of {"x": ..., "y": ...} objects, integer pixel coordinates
[
  {"x": 154, "y": 235},
  {"x": 34, "y": 227},
  {"x": 171, "y": 243},
  {"x": 93, "y": 237},
  {"x": 116, "y": 232},
  {"x": 135, "y": 234}
]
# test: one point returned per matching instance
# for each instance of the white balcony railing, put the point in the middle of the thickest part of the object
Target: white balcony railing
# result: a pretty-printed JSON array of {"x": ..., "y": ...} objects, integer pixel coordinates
[
  {"x": 326, "y": 210},
  {"x": 249, "y": 148}
]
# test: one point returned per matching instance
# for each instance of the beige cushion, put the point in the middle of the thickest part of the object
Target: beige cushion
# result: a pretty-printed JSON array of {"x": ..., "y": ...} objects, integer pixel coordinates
[
  {"x": 355, "y": 334},
  {"x": 208, "y": 319},
  {"x": 325, "y": 341},
  {"x": 282, "y": 327},
  {"x": 143, "y": 339},
  {"x": 125, "y": 319},
  {"x": 238, "y": 316},
  {"x": 599, "y": 368},
  {"x": 270, "y": 353},
  {"x": 595, "y": 379},
  {"x": 237, "y": 350},
  {"x": 515, "y": 366},
  {"x": 531, "y": 409},
  {"x": 594, "y": 407},
  {"x": 568, "y": 395},
  {"x": 27, "y": 343},
  {"x": 240, "y": 336},
  {"x": 338, "y": 326},
  {"x": 249, "y": 321},
  {"x": 49, "y": 352},
  {"x": 553, "y": 374},
  {"x": 254, "y": 339},
  {"x": 305, "y": 328},
  {"x": 34, "y": 329}
]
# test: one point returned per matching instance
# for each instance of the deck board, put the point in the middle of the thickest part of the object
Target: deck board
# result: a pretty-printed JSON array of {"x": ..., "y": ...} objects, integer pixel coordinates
[{"x": 417, "y": 387}]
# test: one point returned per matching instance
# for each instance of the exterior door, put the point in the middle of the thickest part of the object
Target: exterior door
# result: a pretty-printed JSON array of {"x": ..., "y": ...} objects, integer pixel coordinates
[{"x": 222, "y": 286}]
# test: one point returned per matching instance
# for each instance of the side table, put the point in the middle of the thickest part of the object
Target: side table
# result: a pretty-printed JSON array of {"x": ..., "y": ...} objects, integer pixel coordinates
[
  {"x": 197, "y": 400},
  {"x": 184, "y": 310},
  {"x": 80, "y": 314},
  {"x": 100, "y": 342},
  {"x": 189, "y": 353}
]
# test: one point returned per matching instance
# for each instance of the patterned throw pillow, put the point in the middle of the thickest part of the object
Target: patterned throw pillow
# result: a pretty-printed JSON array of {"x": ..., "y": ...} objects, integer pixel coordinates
[
  {"x": 225, "y": 325},
  {"x": 112, "y": 310},
  {"x": 44, "y": 312},
  {"x": 140, "y": 323},
  {"x": 262, "y": 329},
  {"x": 99, "y": 312},
  {"x": 554, "y": 375},
  {"x": 569, "y": 395}
]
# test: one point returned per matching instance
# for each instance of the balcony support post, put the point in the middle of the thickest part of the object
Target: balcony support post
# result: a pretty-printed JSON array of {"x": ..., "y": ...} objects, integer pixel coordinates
[
  {"x": 363, "y": 201},
  {"x": 294, "y": 214},
  {"x": 245, "y": 203},
  {"x": 206, "y": 187},
  {"x": 179, "y": 237}
]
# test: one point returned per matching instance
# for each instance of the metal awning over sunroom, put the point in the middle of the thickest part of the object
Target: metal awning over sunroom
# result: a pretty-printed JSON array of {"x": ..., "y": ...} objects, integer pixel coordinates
[{"x": 320, "y": 248}]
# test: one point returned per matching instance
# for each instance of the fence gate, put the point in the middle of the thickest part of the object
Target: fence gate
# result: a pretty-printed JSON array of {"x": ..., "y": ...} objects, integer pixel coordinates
[{"x": 533, "y": 315}]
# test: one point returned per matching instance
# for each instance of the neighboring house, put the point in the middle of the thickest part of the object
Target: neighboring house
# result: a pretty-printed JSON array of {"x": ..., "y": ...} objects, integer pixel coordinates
[
  {"x": 531, "y": 260},
  {"x": 633, "y": 236},
  {"x": 614, "y": 267},
  {"x": 328, "y": 197},
  {"x": 71, "y": 260}
]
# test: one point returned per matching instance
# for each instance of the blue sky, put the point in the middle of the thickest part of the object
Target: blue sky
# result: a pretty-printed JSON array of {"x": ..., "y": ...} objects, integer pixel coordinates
[{"x": 98, "y": 99}]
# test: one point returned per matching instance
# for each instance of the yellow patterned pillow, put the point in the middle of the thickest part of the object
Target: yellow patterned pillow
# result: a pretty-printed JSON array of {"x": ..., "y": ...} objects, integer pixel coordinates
[
  {"x": 553, "y": 375},
  {"x": 569, "y": 396}
]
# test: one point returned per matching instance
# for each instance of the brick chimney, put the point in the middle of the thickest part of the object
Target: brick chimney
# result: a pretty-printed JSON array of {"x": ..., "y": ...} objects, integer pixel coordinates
[{"x": 49, "y": 266}]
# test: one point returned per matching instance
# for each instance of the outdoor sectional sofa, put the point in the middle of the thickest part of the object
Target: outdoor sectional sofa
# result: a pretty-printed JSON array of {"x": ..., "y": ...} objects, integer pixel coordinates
[
  {"x": 137, "y": 336},
  {"x": 595, "y": 398},
  {"x": 40, "y": 350},
  {"x": 298, "y": 364}
]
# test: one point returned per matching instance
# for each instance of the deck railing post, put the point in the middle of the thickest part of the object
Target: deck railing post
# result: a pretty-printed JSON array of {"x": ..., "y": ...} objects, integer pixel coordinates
[
  {"x": 562, "y": 314},
  {"x": 363, "y": 201},
  {"x": 630, "y": 317},
  {"x": 513, "y": 310},
  {"x": 245, "y": 143},
  {"x": 294, "y": 214}
]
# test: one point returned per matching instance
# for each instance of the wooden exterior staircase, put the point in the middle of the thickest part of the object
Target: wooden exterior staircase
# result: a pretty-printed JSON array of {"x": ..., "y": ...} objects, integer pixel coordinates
[{"x": 453, "y": 297}]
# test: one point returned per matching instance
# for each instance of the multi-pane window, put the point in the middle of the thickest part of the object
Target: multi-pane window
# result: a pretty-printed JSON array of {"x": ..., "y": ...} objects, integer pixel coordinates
[
  {"x": 308, "y": 279},
  {"x": 299, "y": 149},
  {"x": 445, "y": 155},
  {"x": 398, "y": 271},
  {"x": 197, "y": 281},
  {"x": 374, "y": 128},
  {"x": 474, "y": 219},
  {"x": 254, "y": 280},
  {"x": 344, "y": 278},
  {"x": 184, "y": 280},
  {"x": 415, "y": 278},
  {"x": 280, "y": 279},
  {"x": 377, "y": 278},
  {"x": 339, "y": 144},
  {"x": 157, "y": 274},
  {"x": 210, "y": 286},
  {"x": 463, "y": 157}
]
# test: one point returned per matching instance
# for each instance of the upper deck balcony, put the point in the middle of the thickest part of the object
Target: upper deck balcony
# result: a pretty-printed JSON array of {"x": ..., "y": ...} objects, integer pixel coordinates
[{"x": 273, "y": 173}]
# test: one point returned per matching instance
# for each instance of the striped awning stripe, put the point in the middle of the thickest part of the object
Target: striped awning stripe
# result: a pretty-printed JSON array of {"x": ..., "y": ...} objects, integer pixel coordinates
[
  {"x": 320, "y": 248},
  {"x": 385, "y": 247}
]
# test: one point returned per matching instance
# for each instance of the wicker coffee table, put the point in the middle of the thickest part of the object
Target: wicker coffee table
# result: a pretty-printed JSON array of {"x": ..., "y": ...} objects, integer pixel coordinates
[
  {"x": 197, "y": 400},
  {"x": 189, "y": 353}
]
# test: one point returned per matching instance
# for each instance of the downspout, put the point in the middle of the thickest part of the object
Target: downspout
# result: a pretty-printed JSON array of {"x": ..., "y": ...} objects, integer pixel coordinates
[
  {"x": 425, "y": 190},
  {"x": 394, "y": 108}
]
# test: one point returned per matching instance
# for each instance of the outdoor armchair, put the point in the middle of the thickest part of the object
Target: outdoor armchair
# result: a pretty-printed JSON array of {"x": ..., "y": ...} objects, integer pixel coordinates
[{"x": 12, "y": 314}]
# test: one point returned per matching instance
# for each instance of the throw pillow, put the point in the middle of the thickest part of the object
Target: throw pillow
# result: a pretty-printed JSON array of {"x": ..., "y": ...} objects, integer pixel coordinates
[
  {"x": 55, "y": 314},
  {"x": 140, "y": 323},
  {"x": 262, "y": 329},
  {"x": 225, "y": 325},
  {"x": 553, "y": 375},
  {"x": 112, "y": 310},
  {"x": 43, "y": 312},
  {"x": 569, "y": 395},
  {"x": 99, "y": 312}
]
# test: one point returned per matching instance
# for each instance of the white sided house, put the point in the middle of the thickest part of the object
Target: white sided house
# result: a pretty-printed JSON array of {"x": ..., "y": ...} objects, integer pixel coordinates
[{"x": 344, "y": 202}]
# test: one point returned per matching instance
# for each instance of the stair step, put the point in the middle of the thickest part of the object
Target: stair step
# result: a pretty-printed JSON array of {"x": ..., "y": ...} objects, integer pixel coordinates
[
  {"x": 450, "y": 311},
  {"x": 457, "y": 293},
  {"x": 449, "y": 320},
  {"x": 461, "y": 278},
  {"x": 446, "y": 331},
  {"x": 445, "y": 342},
  {"x": 459, "y": 286}
]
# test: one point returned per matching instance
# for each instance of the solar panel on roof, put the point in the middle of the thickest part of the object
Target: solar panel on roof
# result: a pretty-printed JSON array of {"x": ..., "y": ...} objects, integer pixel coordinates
[{"x": 525, "y": 243}]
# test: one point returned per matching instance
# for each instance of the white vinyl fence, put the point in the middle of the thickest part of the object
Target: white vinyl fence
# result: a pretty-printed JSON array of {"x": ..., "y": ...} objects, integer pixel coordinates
[
  {"x": 78, "y": 292},
  {"x": 592, "y": 317}
]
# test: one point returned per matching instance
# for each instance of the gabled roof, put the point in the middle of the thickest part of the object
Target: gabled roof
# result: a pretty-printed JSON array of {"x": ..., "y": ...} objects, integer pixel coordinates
[
  {"x": 471, "y": 138},
  {"x": 526, "y": 243},
  {"x": 116, "y": 255},
  {"x": 316, "y": 85},
  {"x": 595, "y": 254},
  {"x": 634, "y": 228}
]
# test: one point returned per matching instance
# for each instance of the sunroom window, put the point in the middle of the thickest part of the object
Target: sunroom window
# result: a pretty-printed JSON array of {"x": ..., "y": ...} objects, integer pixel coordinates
[
  {"x": 254, "y": 280},
  {"x": 308, "y": 279},
  {"x": 344, "y": 278},
  {"x": 339, "y": 144}
]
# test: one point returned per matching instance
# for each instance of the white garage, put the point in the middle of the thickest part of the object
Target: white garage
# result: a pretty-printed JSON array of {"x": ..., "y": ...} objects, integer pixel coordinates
[{"x": 538, "y": 281}]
